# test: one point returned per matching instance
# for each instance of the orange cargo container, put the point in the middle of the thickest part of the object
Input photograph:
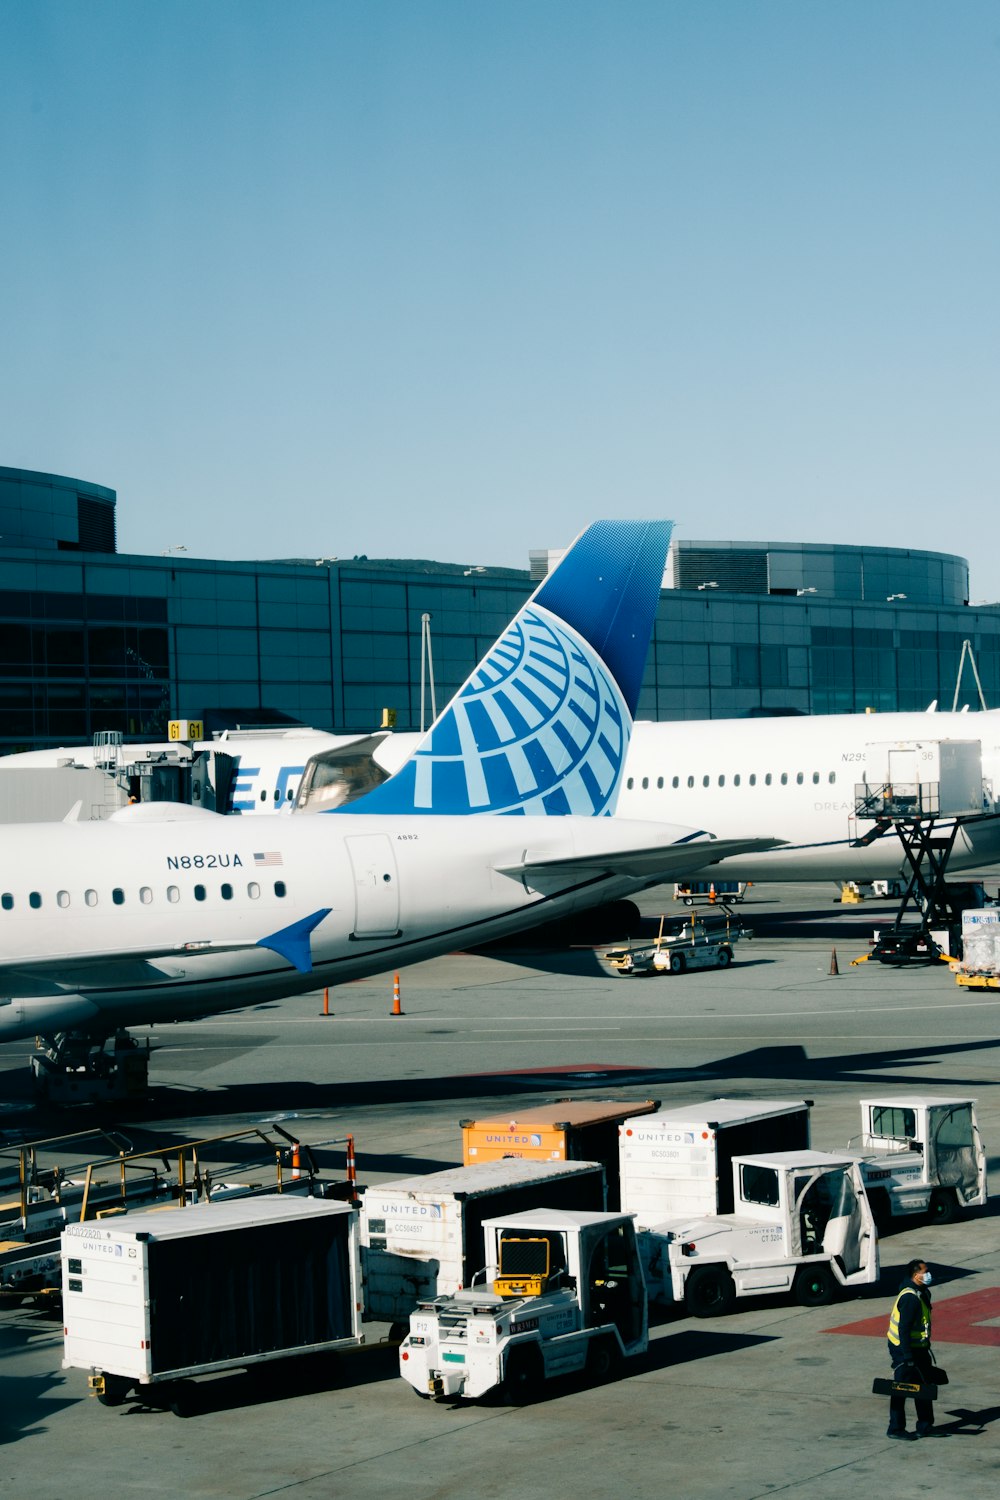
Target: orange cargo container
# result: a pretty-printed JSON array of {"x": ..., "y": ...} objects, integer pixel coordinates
[{"x": 572, "y": 1130}]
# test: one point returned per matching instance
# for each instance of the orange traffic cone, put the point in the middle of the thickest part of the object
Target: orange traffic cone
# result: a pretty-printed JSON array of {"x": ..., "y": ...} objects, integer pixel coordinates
[
  {"x": 834, "y": 966},
  {"x": 397, "y": 1009},
  {"x": 296, "y": 1160}
]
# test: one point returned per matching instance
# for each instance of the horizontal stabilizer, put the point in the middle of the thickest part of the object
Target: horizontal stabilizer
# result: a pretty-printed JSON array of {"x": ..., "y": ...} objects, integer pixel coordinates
[{"x": 661, "y": 862}]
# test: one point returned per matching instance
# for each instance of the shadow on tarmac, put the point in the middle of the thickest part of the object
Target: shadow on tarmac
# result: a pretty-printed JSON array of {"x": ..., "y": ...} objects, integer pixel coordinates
[
  {"x": 26, "y": 1401},
  {"x": 967, "y": 1423},
  {"x": 274, "y": 1380},
  {"x": 922, "y": 1066}
]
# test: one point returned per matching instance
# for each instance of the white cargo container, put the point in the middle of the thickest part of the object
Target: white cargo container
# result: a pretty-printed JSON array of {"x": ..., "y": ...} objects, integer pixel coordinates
[
  {"x": 939, "y": 778},
  {"x": 981, "y": 941},
  {"x": 422, "y": 1237},
  {"x": 158, "y": 1296},
  {"x": 680, "y": 1161}
]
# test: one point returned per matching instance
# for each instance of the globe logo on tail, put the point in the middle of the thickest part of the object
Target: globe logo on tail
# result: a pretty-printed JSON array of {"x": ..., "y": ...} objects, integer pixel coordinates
[{"x": 540, "y": 728}]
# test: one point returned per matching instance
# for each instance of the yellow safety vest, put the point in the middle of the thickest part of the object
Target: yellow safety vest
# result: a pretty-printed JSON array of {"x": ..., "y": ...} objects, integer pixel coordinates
[{"x": 920, "y": 1333}]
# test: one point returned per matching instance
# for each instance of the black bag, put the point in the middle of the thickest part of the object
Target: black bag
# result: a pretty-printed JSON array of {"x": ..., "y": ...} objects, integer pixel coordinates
[{"x": 939, "y": 1376}]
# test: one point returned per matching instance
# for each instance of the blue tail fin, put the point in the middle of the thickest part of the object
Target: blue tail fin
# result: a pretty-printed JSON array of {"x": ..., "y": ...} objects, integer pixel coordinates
[{"x": 543, "y": 723}]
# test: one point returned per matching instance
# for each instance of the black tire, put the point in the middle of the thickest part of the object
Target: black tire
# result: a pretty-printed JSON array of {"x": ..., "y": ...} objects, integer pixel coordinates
[
  {"x": 115, "y": 1392},
  {"x": 184, "y": 1399},
  {"x": 881, "y": 1209},
  {"x": 814, "y": 1286},
  {"x": 604, "y": 1359},
  {"x": 943, "y": 1206},
  {"x": 522, "y": 1378},
  {"x": 725, "y": 958},
  {"x": 688, "y": 901},
  {"x": 398, "y": 1332},
  {"x": 677, "y": 963},
  {"x": 709, "y": 1292}
]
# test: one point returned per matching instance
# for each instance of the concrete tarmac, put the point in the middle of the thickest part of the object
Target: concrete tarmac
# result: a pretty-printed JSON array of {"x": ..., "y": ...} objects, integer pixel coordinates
[{"x": 771, "y": 1400}]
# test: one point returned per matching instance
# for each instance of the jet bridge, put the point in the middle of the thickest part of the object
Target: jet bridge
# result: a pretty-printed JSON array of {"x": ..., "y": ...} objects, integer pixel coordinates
[{"x": 924, "y": 792}]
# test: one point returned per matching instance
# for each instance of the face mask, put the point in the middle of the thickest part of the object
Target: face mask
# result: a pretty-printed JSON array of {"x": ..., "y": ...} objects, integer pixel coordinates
[{"x": 928, "y": 1278}]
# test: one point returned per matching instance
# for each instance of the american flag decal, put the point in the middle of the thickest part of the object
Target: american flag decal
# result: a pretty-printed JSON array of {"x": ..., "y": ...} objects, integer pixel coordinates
[{"x": 272, "y": 857}]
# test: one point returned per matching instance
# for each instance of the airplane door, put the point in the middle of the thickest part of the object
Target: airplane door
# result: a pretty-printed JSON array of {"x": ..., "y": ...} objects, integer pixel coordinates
[{"x": 376, "y": 886}]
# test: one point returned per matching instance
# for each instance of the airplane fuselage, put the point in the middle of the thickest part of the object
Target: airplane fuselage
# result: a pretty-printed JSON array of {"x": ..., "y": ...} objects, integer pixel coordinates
[
  {"x": 91, "y": 913},
  {"x": 794, "y": 779}
]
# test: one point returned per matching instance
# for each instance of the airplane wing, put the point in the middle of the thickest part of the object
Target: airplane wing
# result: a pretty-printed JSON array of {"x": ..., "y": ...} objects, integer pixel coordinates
[
  {"x": 74, "y": 971},
  {"x": 666, "y": 862}
]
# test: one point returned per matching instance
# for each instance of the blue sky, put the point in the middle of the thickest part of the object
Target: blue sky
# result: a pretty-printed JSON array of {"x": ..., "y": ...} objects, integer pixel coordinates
[{"x": 419, "y": 278}]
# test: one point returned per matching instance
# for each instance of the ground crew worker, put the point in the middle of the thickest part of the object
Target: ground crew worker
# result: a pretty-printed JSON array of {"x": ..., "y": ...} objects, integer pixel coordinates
[{"x": 909, "y": 1337}]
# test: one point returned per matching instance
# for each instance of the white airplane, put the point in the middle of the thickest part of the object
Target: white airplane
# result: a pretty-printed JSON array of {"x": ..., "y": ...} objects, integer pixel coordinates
[
  {"x": 164, "y": 911},
  {"x": 795, "y": 779},
  {"x": 791, "y": 778}
]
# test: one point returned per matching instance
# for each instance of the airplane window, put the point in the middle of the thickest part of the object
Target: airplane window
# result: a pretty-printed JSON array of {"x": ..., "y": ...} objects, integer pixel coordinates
[
  {"x": 753, "y": 778},
  {"x": 199, "y": 893},
  {"x": 736, "y": 779},
  {"x": 645, "y": 783},
  {"x": 62, "y": 898},
  {"x": 279, "y": 888},
  {"x": 832, "y": 777},
  {"x": 227, "y": 892},
  {"x": 799, "y": 778},
  {"x": 253, "y": 890},
  {"x": 263, "y": 796},
  {"x": 7, "y": 901},
  {"x": 815, "y": 778},
  {"x": 90, "y": 897},
  {"x": 173, "y": 894},
  {"x": 784, "y": 778},
  {"x": 630, "y": 783},
  {"x": 659, "y": 783},
  {"x": 34, "y": 900},
  {"x": 705, "y": 780},
  {"x": 722, "y": 781},
  {"x": 277, "y": 794},
  {"x": 690, "y": 781},
  {"x": 676, "y": 782},
  {"x": 145, "y": 895},
  {"x": 118, "y": 896},
  {"x": 767, "y": 779}
]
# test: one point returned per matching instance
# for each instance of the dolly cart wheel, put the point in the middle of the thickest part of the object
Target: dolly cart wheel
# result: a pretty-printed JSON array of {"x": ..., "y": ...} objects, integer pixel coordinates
[
  {"x": 522, "y": 1377},
  {"x": 943, "y": 1206},
  {"x": 814, "y": 1286},
  {"x": 604, "y": 1360},
  {"x": 709, "y": 1292},
  {"x": 113, "y": 1390}
]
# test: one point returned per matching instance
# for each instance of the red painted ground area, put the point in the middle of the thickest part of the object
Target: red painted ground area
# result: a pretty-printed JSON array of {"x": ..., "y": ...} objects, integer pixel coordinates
[{"x": 960, "y": 1320}]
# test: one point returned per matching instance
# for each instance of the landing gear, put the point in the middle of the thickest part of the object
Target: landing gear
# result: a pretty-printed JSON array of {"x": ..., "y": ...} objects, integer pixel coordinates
[{"x": 75, "y": 1068}]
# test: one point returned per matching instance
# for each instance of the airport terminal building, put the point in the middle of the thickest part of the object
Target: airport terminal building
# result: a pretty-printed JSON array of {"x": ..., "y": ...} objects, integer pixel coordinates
[{"x": 92, "y": 640}]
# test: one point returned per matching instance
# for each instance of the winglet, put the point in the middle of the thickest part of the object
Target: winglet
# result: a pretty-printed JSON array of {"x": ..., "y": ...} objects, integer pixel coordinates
[{"x": 293, "y": 942}]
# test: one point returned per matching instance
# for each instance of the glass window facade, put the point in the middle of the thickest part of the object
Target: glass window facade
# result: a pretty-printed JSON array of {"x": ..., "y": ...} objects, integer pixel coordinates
[{"x": 91, "y": 642}]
